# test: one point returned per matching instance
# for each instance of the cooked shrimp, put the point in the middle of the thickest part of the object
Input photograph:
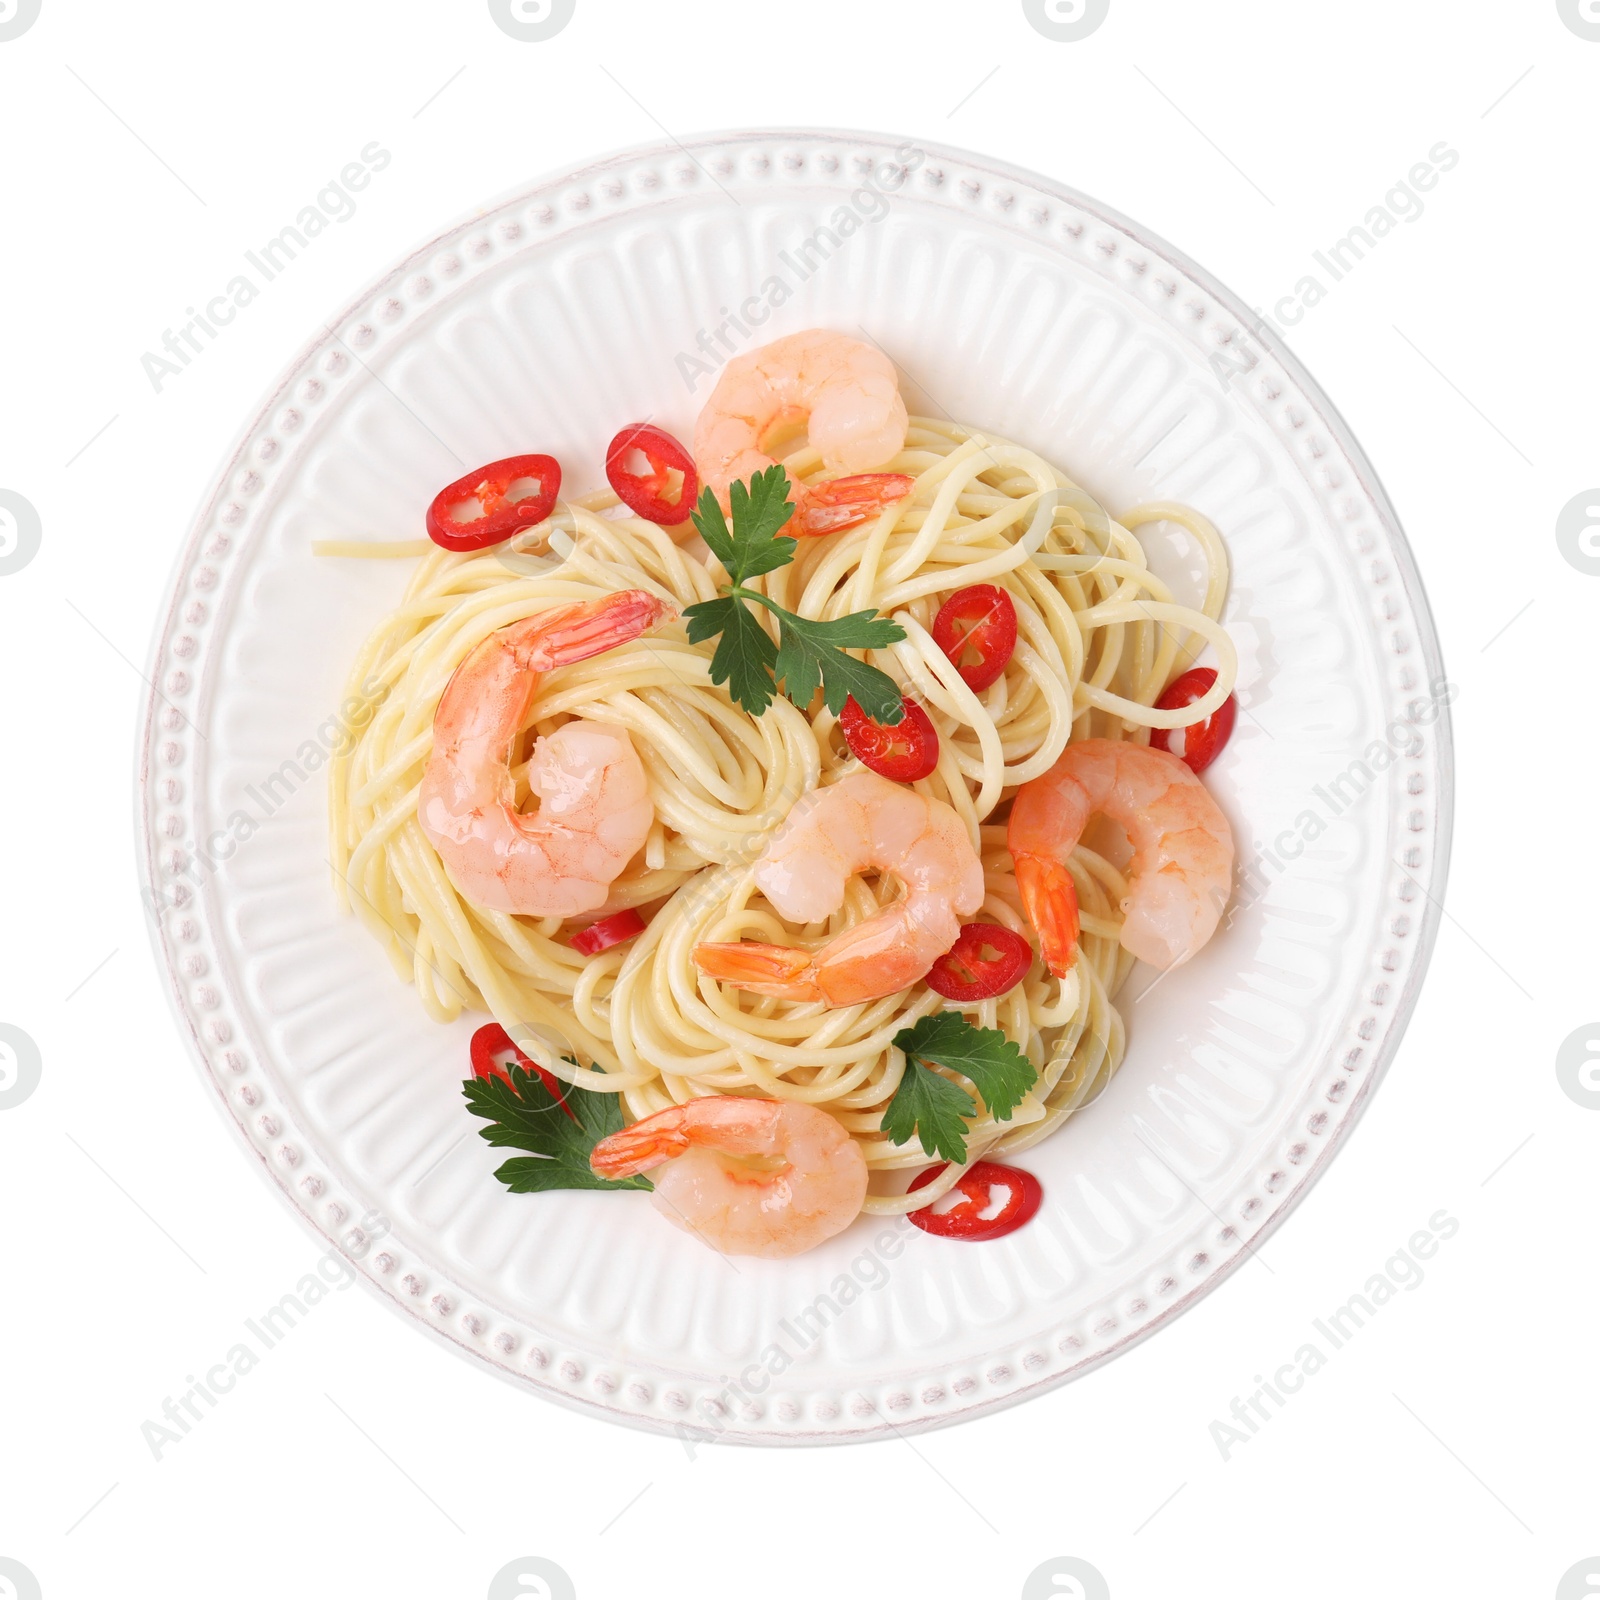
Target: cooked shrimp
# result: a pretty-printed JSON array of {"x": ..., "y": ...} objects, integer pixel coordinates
[
  {"x": 595, "y": 807},
  {"x": 847, "y": 395},
  {"x": 1182, "y": 866},
  {"x": 862, "y": 822},
  {"x": 747, "y": 1177}
]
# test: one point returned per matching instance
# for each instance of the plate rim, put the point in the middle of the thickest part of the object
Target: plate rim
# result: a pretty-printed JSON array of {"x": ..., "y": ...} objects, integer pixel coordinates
[{"x": 1432, "y": 877}]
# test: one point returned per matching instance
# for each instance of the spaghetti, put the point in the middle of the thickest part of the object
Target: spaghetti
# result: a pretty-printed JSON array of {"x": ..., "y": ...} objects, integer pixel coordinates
[{"x": 1099, "y": 638}]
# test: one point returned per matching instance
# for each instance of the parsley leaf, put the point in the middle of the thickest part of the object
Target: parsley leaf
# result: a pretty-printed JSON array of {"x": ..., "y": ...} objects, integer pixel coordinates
[
  {"x": 758, "y": 512},
  {"x": 809, "y": 650},
  {"x": 809, "y": 654},
  {"x": 708, "y": 518},
  {"x": 930, "y": 1105},
  {"x": 933, "y": 1108},
  {"x": 524, "y": 1115},
  {"x": 999, "y": 1069},
  {"x": 745, "y": 653}
]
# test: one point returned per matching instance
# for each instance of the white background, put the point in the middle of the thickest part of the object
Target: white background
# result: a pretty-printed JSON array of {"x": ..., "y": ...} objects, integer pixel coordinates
[{"x": 1445, "y": 1450}]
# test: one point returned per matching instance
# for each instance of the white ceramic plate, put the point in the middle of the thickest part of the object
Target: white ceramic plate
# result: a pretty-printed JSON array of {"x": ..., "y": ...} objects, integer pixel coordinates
[{"x": 545, "y": 322}]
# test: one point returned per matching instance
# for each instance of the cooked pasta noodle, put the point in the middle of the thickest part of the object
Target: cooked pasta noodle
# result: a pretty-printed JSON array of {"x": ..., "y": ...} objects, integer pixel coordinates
[{"x": 1100, "y": 636}]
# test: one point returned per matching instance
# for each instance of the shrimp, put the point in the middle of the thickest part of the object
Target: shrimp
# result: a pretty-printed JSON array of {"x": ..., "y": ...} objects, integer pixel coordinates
[
  {"x": 595, "y": 810},
  {"x": 861, "y": 822},
  {"x": 747, "y": 1177},
  {"x": 849, "y": 397},
  {"x": 1182, "y": 864}
]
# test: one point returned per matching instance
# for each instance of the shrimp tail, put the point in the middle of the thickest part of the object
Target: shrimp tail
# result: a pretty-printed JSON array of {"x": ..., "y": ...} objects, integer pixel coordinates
[
  {"x": 762, "y": 968},
  {"x": 570, "y": 634},
  {"x": 1050, "y": 899},
  {"x": 644, "y": 1145},
  {"x": 847, "y": 502}
]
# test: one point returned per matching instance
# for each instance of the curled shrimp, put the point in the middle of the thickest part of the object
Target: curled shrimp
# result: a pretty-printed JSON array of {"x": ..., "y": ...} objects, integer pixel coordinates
[
  {"x": 862, "y": 822},
  {"x": 747, "y": 1177},
  {"x": 846, "y": 393},
  {"x": 1182, "y": 867},
  {"x": 595, "y": 811}
]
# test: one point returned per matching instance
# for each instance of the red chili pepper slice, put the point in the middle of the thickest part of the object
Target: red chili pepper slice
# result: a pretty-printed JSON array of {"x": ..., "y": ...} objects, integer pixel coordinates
[
  {"x": 985, "y": 960},
  {"x": 905, "y": 752},
  {"x": 490, "y": 1042},
  {"x": 651, "y": 494},
  {"x": 606, "y": 932},
  {"x": 977, "y": 1185},
  {"x": 500, "y": 514},
  {"x": 977, "y": 628},
  {"x": 1202, "y": 741}
]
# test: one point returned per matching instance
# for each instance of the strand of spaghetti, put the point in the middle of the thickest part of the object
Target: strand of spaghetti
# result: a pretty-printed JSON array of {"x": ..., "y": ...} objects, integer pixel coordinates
[
  {"x": 1003, "y": 560},
  {"x": 1117, "y": 612},
  {"x": 988, "y": 457},
  {"x": 934, "y": 674},
  {"x": 933, "y": 477}
]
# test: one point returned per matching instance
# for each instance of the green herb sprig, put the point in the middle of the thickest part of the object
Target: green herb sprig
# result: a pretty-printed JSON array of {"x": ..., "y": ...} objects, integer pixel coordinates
[
  {"x": 524, "y": 1115},
  {"x": 808, "y": 654},
  {"x": 933, "y": 1108}
]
